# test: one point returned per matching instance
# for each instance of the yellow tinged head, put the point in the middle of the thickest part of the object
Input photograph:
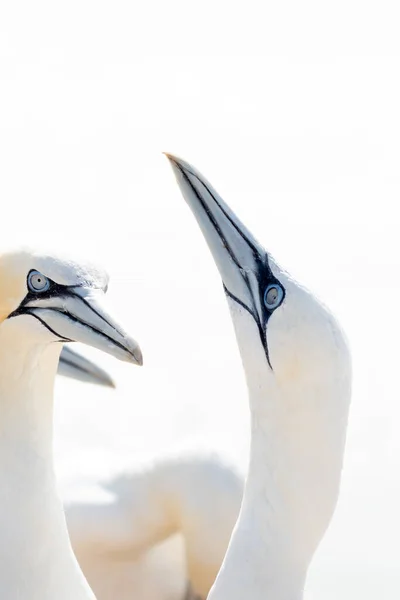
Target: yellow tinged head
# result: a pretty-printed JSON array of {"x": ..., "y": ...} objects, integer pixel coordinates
[{"x": 14, "y": 268}]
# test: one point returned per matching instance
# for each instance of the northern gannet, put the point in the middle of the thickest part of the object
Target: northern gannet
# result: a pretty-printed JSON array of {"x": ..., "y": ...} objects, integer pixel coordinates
[
  {"x": 194, "y": 495},
  {"x": 44, "y": 302},
  {"x": 72, "y": 364},
  {"x": 298, "y": 373}
]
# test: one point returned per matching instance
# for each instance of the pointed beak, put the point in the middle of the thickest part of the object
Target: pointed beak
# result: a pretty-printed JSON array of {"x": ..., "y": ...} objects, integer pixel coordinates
[
  {"x": 77, "y": 315},
  {"x": 74, "y": 365},
  {"x": 239, "y": 257}
]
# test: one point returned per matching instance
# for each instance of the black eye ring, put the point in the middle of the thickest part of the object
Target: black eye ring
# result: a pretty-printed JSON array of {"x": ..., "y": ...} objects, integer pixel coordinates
[
  {"x": 37, "y": 282},
  {"x": 273, "y": 296}
]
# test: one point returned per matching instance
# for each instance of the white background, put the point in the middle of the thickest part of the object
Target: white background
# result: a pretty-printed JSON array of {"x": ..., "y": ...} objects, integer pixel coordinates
[{"x": 292, "y": 111}]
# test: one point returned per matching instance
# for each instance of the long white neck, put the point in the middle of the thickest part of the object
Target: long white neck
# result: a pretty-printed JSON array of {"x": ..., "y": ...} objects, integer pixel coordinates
[
  {"x": 297, "y": 445},
  {"x": 36, "y": 559}
]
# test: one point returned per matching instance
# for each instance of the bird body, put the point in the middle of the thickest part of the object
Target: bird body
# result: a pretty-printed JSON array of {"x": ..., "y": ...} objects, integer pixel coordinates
[
  {"x": 193, "y": 495},
  {"x": 43, "y": 301},
  {"x": 298, "y": 373}
]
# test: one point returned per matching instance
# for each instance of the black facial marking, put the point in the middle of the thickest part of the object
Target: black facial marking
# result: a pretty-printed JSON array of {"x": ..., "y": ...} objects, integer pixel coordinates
[
  {"x": 264, "y": 277},
  {"x": 55, "y": 289},
  {"x": 61, "y": 337},
  {"x": 261, "y": 330}
]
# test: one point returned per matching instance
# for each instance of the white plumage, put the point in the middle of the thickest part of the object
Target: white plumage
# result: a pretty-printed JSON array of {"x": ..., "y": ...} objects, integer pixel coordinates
[
  {"x": 298, "y": 374},
  {"x": 43, "y": 301},
  {"x": 195, "y": 496}
]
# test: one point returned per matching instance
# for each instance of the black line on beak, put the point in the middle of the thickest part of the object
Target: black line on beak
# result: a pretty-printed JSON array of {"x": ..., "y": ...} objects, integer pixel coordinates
[
  {"x": 92, "y": 328},
  {"x": 96, "y": 312},
  {"x": 256, "y": 252},
  {"x": 211, "y": 217}
]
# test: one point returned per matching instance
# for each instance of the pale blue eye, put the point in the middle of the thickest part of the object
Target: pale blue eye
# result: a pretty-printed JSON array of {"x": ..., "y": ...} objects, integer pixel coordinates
[
  {"x": 37, "y": 282},
  {"x": 273, "y": 296}
]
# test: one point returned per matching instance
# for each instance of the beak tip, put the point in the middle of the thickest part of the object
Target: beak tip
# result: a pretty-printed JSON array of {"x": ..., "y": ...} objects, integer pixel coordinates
[
  {"x": 182, "y": 168},
  {"x": 137, "y": 356},
  {"x": 174, "y": 160},
  {"x": 109, "y": 382}
]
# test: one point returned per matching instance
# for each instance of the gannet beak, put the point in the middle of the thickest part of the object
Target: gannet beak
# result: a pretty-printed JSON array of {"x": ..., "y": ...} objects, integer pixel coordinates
[
  {"x": 74, "y": 365},
  {"x": 76, "y": 314},
  {"x": 239, "y": 257}
]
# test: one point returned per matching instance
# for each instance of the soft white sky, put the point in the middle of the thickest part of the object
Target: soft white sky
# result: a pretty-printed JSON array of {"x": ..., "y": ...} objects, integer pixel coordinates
[{"x": 291, "y": 109}]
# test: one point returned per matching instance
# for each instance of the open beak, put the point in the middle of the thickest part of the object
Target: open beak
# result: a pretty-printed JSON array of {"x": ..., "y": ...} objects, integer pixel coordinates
[
  {"x": 76, "y": 314},
  {"x": 241, "y": 260},
  {"x": 74, "y": 365}
]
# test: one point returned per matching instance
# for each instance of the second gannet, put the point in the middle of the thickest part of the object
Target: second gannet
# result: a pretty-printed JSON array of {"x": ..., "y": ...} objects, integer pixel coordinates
[
  {"x": 190, "y": 494},
  {"x": 44, "y": 302},
  {"x": 298, "y": 373},
  {"x": 72, "y": 364}
]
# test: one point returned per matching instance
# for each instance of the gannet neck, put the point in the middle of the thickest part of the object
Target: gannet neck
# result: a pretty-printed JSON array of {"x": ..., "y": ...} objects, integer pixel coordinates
[
  {"x": 36, "y": 559},
  {"x": 204, "y": 496},
  {"x": 298, "y": 436},
  {"x": 26, "y": 391},
  {"x": 194, "y": 494},
  {"x": 298, "y": 422}
]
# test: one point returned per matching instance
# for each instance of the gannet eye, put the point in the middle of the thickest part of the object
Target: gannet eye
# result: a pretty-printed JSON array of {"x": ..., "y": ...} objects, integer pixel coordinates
[
  {"x": 37, "y": 282},
  {"x": 273, "y": 296}
]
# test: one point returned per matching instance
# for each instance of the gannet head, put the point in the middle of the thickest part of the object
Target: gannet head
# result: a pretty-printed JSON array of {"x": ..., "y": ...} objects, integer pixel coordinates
[
  {"x": 47, "y": 299},
  {"x": 297, "y": 336},
  {"x": 295, "y": 359}
]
